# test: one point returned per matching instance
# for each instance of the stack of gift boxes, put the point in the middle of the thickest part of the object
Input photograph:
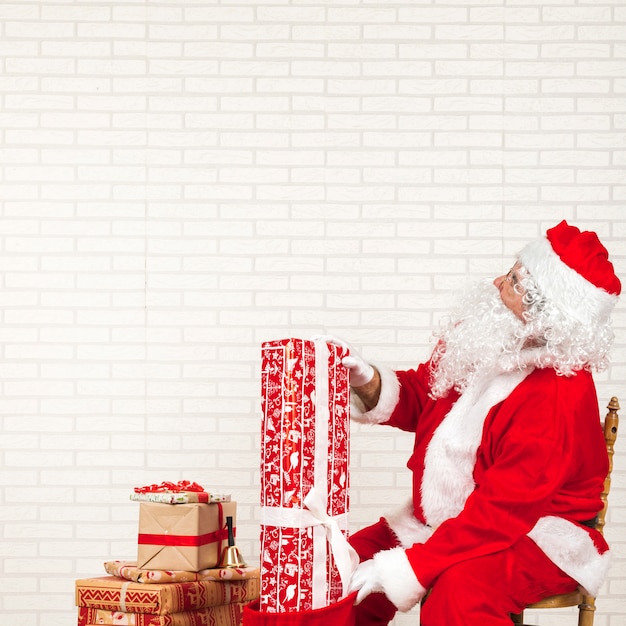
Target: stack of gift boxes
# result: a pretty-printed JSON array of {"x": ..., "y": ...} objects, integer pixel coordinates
[
  {"x": 306, "y": 561},
  {"x": 179, "y": 578}
]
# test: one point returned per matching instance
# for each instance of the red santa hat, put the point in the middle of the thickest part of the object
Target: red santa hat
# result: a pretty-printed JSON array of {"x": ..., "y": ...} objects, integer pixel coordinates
[{"x": 573, "y": 271}]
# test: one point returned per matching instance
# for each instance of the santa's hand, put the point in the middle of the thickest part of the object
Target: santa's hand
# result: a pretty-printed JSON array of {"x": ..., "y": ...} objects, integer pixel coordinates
[
  {"x": 361, "y": 372},
  {"x": 391, "y": 573},
  {"x": 332, "y": 339},
  {"x": 365, "y": 581}
]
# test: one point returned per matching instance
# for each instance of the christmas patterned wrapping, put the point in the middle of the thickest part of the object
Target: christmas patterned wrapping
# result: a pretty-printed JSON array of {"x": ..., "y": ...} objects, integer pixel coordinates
[
  {"x": 306, "y": 561},
  {"x": 130, "y": 571},
  {"x": 180, "y": 497},
  {"x": 112, "y": 593},
  {"x": 188, "y": 537},
  {"x": 222, "y": 615}
]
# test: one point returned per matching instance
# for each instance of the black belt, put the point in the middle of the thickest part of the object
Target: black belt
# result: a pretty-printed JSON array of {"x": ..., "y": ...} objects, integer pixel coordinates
[{"x": 590, "y": 523}]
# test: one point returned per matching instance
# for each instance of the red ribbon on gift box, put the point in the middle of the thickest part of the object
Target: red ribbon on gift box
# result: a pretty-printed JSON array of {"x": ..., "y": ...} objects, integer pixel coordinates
[
  {"x": 192, "y": 541},
  {"x": 180, "y": 486}
]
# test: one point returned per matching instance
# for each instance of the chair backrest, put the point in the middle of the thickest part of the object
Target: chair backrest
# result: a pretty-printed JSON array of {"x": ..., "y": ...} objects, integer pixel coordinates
[{"x": 611, "y": 423}]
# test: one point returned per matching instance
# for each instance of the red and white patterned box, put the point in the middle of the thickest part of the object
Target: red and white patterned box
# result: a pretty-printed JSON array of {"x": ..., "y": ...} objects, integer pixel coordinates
[{"x": 305, "y": 559}]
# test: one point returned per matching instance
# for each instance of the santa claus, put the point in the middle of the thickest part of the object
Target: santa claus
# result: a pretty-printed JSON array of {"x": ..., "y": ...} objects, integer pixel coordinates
[{"x": 509, "y": 457}]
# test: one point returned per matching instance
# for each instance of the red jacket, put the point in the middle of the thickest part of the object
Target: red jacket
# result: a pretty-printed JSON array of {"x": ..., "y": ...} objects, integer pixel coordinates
[{"x": 538, "y": 469}]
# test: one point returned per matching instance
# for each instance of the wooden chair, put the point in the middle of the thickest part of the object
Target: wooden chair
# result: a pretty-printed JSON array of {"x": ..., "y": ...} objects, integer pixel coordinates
[{"x": 586, "y": 604}]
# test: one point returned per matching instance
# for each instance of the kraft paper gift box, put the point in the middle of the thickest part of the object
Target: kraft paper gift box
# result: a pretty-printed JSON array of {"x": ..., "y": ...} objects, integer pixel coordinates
[
  {"x": 306, "y": 562},
  {"x": 114, "y": 594},
  {"x": 188, "y": 537}
]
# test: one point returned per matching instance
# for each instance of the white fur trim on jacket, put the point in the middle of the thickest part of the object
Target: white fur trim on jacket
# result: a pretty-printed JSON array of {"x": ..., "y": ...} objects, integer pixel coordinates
[
  {"x": 565, "y": 287},
  {"x": 406, "y": 527},
  {"x": 567, "y": 545},
  {"x": 389, "y": 396},
  {"x": 451, "y": 454},
  {"x": 571, "y": 548},
  {"x": 398, "y": 578}
]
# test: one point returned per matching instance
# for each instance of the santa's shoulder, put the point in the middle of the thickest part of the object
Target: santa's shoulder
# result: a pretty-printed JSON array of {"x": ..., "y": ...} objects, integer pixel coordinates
[{"x": 550, "y": 385}]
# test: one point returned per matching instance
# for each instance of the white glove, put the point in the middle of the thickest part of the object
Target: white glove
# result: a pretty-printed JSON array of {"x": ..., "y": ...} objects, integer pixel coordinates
[
  {"x": 391, "y": 573},
  {"x": 361, "y": 372},
  {"x": 365, "y": 581}
]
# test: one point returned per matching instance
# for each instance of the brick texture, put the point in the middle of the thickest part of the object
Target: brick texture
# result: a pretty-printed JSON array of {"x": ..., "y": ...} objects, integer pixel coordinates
[{"x": 182, "y": 180}]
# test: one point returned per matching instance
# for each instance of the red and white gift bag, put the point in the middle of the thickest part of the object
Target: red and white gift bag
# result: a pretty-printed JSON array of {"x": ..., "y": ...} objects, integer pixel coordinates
[{"x": 306, "y": 561}]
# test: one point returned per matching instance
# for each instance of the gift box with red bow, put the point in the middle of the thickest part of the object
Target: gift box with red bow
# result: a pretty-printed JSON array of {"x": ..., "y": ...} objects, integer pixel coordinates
[{"x": 188, "y": 537}]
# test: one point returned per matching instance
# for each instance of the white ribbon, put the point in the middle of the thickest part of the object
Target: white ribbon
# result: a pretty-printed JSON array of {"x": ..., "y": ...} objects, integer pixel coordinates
[
  {"x": 325, "y": 529},
  {"x": 322, "y": 418},
  {"x": 320, "y": 476},
  {"x": 345, "y": 556}
]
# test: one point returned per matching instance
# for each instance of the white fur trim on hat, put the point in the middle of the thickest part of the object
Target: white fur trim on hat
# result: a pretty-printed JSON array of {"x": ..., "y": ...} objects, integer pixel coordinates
[
  {"x": 389, "y": 396},
  {"x": 398, "y": 578},
  {"x": 565, "y": 287},
  {"x": 571, "y": 548}
]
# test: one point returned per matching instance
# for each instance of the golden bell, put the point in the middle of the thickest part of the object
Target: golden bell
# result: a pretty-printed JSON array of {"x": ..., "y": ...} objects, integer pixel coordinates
[{"x": 232, "y": 558}]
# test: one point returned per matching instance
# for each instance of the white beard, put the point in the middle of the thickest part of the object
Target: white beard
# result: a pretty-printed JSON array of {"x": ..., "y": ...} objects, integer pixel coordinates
[{"x": 482, "y": 338}]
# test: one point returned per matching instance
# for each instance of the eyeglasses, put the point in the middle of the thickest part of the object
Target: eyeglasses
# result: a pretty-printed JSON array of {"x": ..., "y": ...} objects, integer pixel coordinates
[
  {"x": 509, "y": 277},
  {"x": 514, "y": 274}
]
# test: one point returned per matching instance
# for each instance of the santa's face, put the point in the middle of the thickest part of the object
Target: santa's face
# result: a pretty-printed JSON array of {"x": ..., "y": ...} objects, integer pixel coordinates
[{"x": 511, "y": 290}]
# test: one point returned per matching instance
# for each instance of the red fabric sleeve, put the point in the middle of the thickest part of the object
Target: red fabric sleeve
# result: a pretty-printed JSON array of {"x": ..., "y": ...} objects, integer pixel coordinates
[{"x": 413, "y": 398}]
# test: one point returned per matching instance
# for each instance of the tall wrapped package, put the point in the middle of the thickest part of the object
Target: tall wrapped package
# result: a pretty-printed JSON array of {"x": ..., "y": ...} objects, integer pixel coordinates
[{"x": 306, "y": 561}]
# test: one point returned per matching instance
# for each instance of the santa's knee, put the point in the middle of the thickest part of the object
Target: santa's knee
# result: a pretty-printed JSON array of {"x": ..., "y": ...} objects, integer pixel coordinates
[
  {"x": 445, "y": 592},
  {"x": 458, "y": 592}
]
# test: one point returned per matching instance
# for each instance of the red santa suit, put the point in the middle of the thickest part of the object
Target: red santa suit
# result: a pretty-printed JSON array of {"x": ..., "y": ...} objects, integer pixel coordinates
[
  {"x": 506, "y": 476},
  {"x": 519, "y": 456}
]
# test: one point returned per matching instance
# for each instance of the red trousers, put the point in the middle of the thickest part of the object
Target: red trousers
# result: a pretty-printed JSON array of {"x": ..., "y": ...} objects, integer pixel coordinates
[{"x": 476, "y": 592}]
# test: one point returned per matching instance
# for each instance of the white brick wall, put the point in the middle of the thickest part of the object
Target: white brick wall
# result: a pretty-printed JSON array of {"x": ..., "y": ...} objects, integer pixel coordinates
[{"x": 182, "y": 180}]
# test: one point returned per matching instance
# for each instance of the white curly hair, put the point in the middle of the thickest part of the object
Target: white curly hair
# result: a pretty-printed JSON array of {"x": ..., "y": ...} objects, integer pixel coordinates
[{"x": 483, "y": 337}]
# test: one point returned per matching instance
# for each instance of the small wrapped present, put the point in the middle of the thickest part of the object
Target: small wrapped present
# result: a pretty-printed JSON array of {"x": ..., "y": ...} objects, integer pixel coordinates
[
  {"x": 222, "y": 615},
  {"x": 306, "y": 561},
  {"x": 188, "y": 537},
  {"x": 111, "y": 593},
  {"x": 180, "y": 497},
  {"x": 170, "y": 497},
  {"x": 182, "y": 492}
]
